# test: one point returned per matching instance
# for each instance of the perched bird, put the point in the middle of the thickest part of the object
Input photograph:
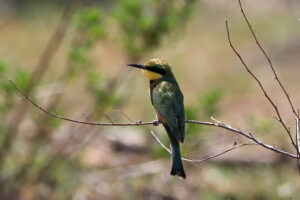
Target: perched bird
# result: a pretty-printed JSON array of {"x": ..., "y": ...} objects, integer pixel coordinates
[{"x": 167, "y": 99}]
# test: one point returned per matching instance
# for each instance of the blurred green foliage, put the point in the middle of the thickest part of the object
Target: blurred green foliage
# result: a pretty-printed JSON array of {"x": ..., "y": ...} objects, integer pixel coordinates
[
  {"x": 209, "y": 101},
  {"x": 101, "y": 93},
  {"x": 192, "y": 112},
  {"x": 22, "y": 77},
  {"x": 261, "y": 125},
  {"x": 142, "y": 25},
  {"x": 5, "y": 86},
  {"x": 89, "y": 28},
  {"x": 90, "y": 22},
  {"x": 3, "y": 67},
  {"x": 145, "y": 23},
  {"x": 206, "y": 107}
]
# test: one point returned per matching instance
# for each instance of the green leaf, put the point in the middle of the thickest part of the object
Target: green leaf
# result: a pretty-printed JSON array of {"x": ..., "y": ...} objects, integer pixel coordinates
[{"x": 22, "y": 78}]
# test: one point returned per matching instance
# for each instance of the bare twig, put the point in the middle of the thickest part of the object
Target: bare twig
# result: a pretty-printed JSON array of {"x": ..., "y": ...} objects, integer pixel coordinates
[
  {"x": 126, "y": 116},
  {"x": 106, "y": 116},
  {"x": 78, "y": 121},
  {"x": 212, "y": 118},
  {"x": 268, "y": 59},
  {"x": 220, "y": 153},
  {"x": 154, "y": 123},
  {"x": 261, "y": 87},
  {"x": 298, "y": 142},
  {"x": 278, "y": 117},
  {"x": 297, "y": 134},
  {"x": 208, "y": 157},
  {"x": 160, "y": 142},
  {"x": 247, "y": 135}
]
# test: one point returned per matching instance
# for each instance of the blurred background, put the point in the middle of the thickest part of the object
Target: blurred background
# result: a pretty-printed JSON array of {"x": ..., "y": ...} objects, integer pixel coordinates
[{"x": 70, "y": 56}]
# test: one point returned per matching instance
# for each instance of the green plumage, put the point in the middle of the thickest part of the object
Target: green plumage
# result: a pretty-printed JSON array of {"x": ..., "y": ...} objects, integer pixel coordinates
[{"x": 167, "y": 99}]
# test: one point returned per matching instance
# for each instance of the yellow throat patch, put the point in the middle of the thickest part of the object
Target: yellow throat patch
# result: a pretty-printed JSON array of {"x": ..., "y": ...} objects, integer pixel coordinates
[{"x": 151, "y": 75}]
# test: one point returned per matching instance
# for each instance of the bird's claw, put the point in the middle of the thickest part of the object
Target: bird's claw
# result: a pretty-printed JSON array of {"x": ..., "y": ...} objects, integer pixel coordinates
[{"x": 156, "y": 122}]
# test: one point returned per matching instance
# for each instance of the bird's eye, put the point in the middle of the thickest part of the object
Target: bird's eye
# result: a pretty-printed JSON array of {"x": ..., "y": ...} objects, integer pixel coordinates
[{"x": 157, "y": 69}]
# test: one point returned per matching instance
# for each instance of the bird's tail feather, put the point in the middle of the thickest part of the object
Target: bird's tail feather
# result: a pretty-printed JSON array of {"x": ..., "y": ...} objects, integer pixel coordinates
[{"x": 177, "y": 167}]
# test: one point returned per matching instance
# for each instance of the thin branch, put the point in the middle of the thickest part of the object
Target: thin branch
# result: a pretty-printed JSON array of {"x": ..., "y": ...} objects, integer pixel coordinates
[
  {"x": 106, "y": 116},
  {"x": 208, "y": 157},
  {"x": 279, "y": 82},
  {"x": 247, "y": 135},
  {"x": 77, "y": 121},
  {"x": 160, "y": 142},
  {"x": 268, "y": 59},
  {"x": 126, "y": 116},
  {"x": 155, "y": 123},
  {"x": 261, "y": 86},
  {"x": 298, "y": 143},
  {"x": 221, "y": 153},
  {"x": 297, "y": 134},
  {"x": 276, "y": 77}
]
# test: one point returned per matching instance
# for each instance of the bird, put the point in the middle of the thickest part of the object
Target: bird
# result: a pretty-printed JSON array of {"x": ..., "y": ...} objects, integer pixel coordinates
[{"x": 167, "y": 100}]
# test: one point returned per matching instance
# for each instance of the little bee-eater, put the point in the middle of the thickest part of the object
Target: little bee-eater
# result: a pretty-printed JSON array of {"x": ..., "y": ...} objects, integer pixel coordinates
[{"x": 167, "y": 99}]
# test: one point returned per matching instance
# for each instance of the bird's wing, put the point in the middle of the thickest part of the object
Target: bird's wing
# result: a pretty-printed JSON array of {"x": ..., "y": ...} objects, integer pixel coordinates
[
  {"x": 170, "y": 111},
  {"x": 179, "y": 109}
]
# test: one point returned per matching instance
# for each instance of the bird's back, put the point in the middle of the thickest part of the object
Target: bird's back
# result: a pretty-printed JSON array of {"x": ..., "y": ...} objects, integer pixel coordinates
[{"x": 167, "y": 100}]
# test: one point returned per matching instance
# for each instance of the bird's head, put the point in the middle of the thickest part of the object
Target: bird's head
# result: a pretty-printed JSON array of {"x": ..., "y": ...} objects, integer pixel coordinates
[{"x": 155, "y": 68}]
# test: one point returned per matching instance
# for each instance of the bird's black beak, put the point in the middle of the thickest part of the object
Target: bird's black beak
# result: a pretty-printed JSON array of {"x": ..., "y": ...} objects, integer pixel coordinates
[
  {"x": 150, "y": 69},
  {"x": 137, "y": 66}
]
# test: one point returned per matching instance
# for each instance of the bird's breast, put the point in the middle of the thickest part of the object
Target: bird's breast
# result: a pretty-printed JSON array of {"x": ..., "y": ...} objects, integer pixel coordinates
[{"x": 162, "y": 92}]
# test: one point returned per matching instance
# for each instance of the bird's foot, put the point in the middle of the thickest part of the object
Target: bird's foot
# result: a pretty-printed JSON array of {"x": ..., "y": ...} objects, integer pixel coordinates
[{"x": 156, "y": 122}]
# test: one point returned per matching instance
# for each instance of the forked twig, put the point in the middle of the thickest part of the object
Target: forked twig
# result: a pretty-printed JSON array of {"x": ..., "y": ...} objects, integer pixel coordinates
[
  {"x": 268, "y": 59},
  {"x": 278, "y": 117},
  {"x": 244, "y": 134},
  {"x": 260, "y": 85},
  {"x": 208, "y": 157}
]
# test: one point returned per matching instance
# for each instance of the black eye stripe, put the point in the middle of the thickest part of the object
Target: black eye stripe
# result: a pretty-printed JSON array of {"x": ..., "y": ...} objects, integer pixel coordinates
[{"x": 156, "y": 70}]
